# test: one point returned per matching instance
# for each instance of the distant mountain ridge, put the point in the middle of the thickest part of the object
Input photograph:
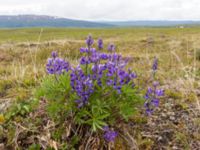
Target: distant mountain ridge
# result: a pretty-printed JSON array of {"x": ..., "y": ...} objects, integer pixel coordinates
[
  {"x": 20, "y": 21},
  {"x": 152, "y": 23}
]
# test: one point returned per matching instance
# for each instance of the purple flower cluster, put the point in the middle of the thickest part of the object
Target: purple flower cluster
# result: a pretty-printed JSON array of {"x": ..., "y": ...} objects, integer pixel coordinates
[
  {"x": 117, "y": 76},
  {"x": 56, "y": 65},
  {"x": 82, "y": 85},
  {"x": 109, "y": 135},
  {"x": 112, "y": 66},
  {"x": 152, "y": 97}
]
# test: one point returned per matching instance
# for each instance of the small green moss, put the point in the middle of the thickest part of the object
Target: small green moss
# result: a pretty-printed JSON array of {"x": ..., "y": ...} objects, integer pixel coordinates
[
  {"x": 57, "y": 134},
  {"x": 4, "y": 86},
  {"x": 20, "y": 93},
  {"x": 29, "y": 82},
  {"x": 146, "y": 144},
  {"x": 191, "y": 97},
  {"x": 182, "y": 138},
  {"x": 10, "y": 134},
  {"x": 174, "y": 94},
  {"x": 2, "y": 118},
  {"x": 139, "y": 119},
  {"x": 198, "y": 54},
  {"x": 34, "y": 147}
]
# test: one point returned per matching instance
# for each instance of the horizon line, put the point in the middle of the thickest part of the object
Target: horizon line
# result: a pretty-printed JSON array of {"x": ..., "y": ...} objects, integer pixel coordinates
[{"x": 105, "y": 20}]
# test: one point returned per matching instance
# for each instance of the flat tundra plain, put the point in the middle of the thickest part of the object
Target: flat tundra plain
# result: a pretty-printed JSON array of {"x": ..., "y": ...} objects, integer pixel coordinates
[{"x": 174, "y": 125}]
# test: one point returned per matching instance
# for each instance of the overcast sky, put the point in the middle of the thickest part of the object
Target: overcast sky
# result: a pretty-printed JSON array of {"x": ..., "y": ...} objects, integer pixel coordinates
[{"x": 106, "y": 9}]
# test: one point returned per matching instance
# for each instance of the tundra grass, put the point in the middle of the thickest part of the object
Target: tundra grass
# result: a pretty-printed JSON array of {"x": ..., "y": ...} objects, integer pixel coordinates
[{"x": 23, "y": 54}]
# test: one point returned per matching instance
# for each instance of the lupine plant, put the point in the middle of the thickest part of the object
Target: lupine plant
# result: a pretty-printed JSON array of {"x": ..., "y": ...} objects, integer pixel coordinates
[
  {"x": 98, "y": 92},
  {"x": 153, "y": 92}
]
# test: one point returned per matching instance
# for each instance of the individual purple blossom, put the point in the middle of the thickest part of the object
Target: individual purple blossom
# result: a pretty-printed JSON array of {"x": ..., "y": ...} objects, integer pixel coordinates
[
  {"x": 111, "y": 47},
  {"x": 109, "y": 82},
  {"x": 95, "y": 57},
  {"x": 155, "y": 102},
  {"x": 159, "y": 92},
  {"x": 89, "y": 41},
  {"x": 148, "y": 110},
  {"x": 100, "y": 44},
  {"x": 84, "y": 50},
  {"x": 155, "y": 64},
  {"x": 84, "y": 60},
  {"x": 118, "y": 88},
  {"x": 116, "y": 57},
  {"x": 92, "y": 50},
  {"x": 109, "y": 135},
  {"x": 133, "y": 75},
  {"x": 54, "y": 54},
  {"x": 104, "y": 56}
]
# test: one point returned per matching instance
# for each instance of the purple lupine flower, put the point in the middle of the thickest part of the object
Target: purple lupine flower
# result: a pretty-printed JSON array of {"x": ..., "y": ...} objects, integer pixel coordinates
[
  {"x": 102, "y": 67},
  {"x": 151, "y": 97},
  {"x": 89, "y": 41},
  {"x": 95, "y": 57},
  {"x": 82, "y": 85},
  {"x": 109, "y": 135},
  {"x": 117, "y": 88},
  {"x": 92, "y": 50},
  {"x": 159, "y": 92},
  {"x": 84, "y": 60},
  {"x": 132, "y": 74},
  {"x": 99, "y": 82},
  {"x": 111, "y": 47},
  {"x": 104, "y": 56},
  {"x": 149, "y": 111},
  {"x": 84, "y": 50},
  {"x": 54, "y": 54},
  {"x": 109, "y": 82},
  {"x": 155, "y": 64},
  {"x": 100, "y": 44},
  {"x": 117, "y": 76},
  {"x": 149, "y": 90},
  {"x": 56, "y": 65},
  {"x": 94, "y": 68},
  {"x": 117, "y": 57},
  {"x": 155, "y": 102}
]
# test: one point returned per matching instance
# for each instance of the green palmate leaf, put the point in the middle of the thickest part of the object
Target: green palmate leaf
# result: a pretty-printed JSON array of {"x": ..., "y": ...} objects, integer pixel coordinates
[
  {"x": 54, "y": 88},
  {"x": 96, "y": 123},
  {"x": 126, "y": 110},
  {"x": 97, "y": 120}
]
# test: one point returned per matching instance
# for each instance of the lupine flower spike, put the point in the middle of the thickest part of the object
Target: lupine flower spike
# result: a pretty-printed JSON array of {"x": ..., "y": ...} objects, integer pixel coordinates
[{"x": 100, "y": 44}]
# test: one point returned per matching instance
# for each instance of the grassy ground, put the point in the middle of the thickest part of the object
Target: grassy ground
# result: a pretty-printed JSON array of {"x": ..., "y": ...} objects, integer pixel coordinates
[{"x": 23, "y": 54}]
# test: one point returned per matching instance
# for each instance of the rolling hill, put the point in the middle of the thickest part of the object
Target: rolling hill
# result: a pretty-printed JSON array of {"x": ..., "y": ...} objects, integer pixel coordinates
[{"x": 21, "y": 21}]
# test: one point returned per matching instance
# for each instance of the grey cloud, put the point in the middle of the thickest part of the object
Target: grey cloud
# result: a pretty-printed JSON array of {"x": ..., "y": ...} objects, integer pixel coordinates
[{"x": 106, "y": 9}]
